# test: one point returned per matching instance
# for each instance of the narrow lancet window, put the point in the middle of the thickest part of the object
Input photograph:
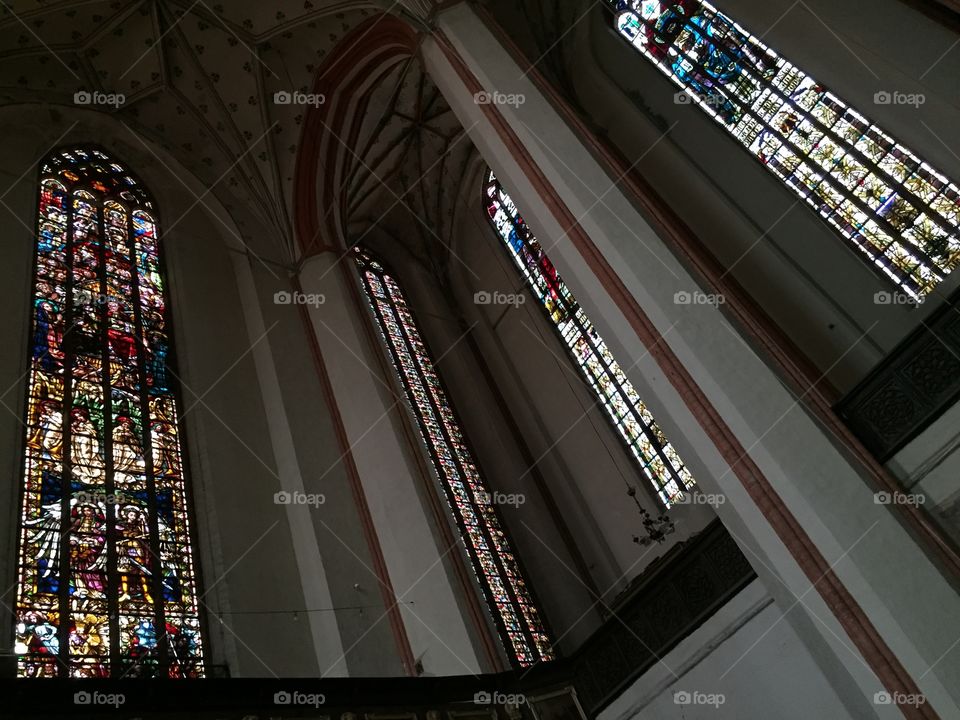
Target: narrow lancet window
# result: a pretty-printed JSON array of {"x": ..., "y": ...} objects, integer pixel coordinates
[
  {"x": 491, "y": 553},
  {"x": 630, "y": 417}
]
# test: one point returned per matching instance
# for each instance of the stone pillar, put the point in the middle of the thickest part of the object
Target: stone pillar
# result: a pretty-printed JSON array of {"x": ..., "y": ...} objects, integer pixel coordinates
[
  {"x": 322, "y": 626},
  {"x": 409, "y": 518},
  {"x": 866, "y": 597}
]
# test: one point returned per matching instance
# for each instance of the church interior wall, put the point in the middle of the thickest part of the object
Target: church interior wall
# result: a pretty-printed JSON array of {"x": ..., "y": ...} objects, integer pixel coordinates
[
  {"x": 860, "y": 47},
  {"x": 228, "y": 485},
  {"x": 812, "y": 478},
  {"x": 532, "y": 529},
  {"x": 242, "y": 532},
  {"x": 818, "y": 289},
  {"x": 395, "y": 484},
  {"x": 929, "y": 469},
  {"x": 344, "y": 595},
  {"x": 720, "y": 667},
  {"x": 279, "y": 398},
  {"x": 585, "y": 464},
  {"x": 812, "y": 283}
]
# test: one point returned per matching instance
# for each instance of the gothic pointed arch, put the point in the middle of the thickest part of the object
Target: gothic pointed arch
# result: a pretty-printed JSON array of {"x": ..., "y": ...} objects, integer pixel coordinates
[
  {"x": 497, "y": 568},
  {"x": 630, "y": 418},
  {"x": 107, "y": 584}
]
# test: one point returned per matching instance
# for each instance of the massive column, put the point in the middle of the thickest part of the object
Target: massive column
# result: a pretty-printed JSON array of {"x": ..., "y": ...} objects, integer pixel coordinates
[
  {"x": 867, "y": 596},
  {"x": 422, "y": 562}
]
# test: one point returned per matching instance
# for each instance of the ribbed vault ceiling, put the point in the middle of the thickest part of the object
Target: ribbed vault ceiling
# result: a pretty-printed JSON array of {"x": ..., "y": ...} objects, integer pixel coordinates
[
  {"x": 403, "y": 182},
  {"x": 200, "y": 77}
]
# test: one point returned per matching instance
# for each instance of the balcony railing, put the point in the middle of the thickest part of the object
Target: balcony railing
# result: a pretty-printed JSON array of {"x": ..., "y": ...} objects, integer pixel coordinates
[
  {"x": 687, "y": 585},
  {"x": 910, "y": 388}
]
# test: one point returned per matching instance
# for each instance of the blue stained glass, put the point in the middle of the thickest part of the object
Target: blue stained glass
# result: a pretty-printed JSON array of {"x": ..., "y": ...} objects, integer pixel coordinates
[
  {"x": 897, "y": 210},
  {"x": 631, "y": 419},
  {"x": 91, "y": 567}
]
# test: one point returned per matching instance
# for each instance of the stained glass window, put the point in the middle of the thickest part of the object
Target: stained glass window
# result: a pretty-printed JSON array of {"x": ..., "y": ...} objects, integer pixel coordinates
[
  {"x": 895, "y": 208},
  {"x": 630, "y": 417},
  {"x": 467, "y": 494},
  {"x": 106, "y": 576}
]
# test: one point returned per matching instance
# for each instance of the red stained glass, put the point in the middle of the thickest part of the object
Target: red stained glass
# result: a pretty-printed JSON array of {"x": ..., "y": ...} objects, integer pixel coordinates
[
  {"x": 104, "y": 539},
  {"x": 508, "y": 598},
  {"x": 629, "y": 416}
]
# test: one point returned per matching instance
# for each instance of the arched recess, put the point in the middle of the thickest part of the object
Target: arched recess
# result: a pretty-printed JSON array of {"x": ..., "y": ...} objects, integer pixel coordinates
[
  {"x": 330, "y": 128},
  {"x": 347, "y": 79},
  {"x": 331, "y": 133},
  {"x": 521, "y": 156},
  {"x": 226, "y": 432},
  {"x": 106, "y": 553},
  {"x": 495, "y": 564},
  {"x": 329, "y": 153}
]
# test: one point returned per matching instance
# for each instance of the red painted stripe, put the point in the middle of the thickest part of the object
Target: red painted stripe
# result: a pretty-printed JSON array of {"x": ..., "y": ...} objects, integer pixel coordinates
[
  {"x": 372, "y": 48},
  {"x": 841, "y": 603},
  {"x": 815, "y": 394}
]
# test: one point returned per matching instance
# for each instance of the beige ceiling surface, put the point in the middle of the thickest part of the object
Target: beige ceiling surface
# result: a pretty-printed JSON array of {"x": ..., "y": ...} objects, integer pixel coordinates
[{"x": 199, "y": 78}]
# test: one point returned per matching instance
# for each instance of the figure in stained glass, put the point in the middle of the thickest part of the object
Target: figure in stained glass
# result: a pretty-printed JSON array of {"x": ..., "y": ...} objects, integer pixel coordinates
[
  {"x": 899, "y": 211},
  {"x": 627, "y": 413},
  {"x": 509, "y": 599},
  {"x": 87, "y": 550},
  {"x": 98, "y": 343},
  {"x": 133, "y": 549}
]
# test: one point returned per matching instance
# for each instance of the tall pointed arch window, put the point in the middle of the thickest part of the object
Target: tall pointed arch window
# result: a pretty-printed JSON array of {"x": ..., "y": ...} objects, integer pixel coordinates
[
  {"x": 106, "y": 576},
  {"x": 492, "y": 557},
  {"x": 631, "y": 419},
  {"x": 896, "y": 209}
]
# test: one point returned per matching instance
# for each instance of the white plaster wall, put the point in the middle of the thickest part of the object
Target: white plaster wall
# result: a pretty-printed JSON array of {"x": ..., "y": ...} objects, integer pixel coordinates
[
  {"x": 278, "y": 585},
  {"x": 357, "y": 603},
  {"x": 753, "y": 664},
  {"x": 929, "y": 470},
  {"x": 586, "y": 465},
  {"x": 534, "y": 534},
  {"x": 812, "y": 283},
  {"x": 432, "y": 607},
  {"x": 321, "y": 625},
  {"x": 210, "y": 336},
  {"x": 868, "y": 549}
]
